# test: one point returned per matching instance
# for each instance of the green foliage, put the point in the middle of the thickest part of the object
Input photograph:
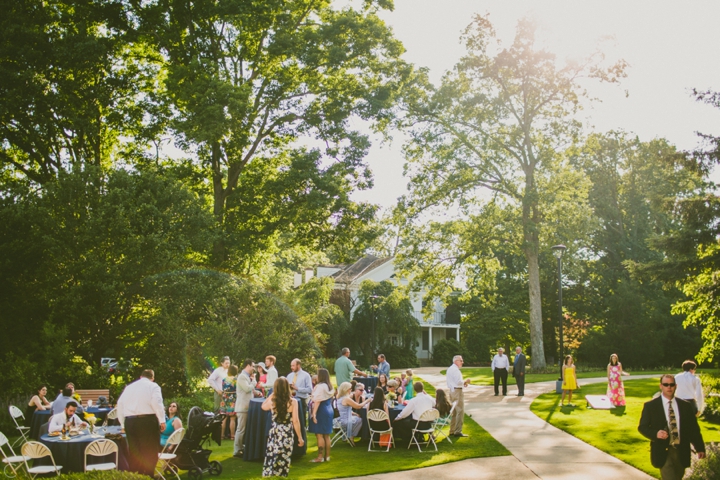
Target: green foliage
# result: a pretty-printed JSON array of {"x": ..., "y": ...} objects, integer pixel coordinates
[
  {"x": 707, "y": 468},
  {"x": 203, "y": 399},
  {"x": 711, "y": 384},
  {"x": 104, "y": 475},
  {"x": 384, "y": 309},
  {"x": 445, "y": 350}
]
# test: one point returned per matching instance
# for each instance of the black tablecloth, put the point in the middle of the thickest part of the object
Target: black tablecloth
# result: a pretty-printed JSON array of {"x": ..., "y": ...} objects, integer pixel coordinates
[
  {"x": 365, "y": 430},
  {"x": 369, "y": 382},
  {"x": 258, "y": 427},
  {"x": 43, "y": 416},
  {"x": 70, "y": 453}
]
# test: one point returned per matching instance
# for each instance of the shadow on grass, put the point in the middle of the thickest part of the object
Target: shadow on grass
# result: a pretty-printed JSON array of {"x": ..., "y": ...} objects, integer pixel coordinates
[{"x": 618, "y": 411}]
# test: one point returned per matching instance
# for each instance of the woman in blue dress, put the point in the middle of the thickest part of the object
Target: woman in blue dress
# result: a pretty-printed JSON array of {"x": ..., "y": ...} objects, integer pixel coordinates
[
  {"x": 350, "y": 421},
  {"x": 321, "y": 417}
]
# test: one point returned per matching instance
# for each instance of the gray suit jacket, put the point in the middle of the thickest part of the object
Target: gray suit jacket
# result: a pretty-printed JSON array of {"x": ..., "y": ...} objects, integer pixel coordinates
[
  {"x": 519, "y": 364},
  {"x": 245, "y": 387}
]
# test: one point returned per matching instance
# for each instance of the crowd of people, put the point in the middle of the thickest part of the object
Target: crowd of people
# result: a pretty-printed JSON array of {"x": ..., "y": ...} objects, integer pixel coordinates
[{"x": 669, "y": 420}]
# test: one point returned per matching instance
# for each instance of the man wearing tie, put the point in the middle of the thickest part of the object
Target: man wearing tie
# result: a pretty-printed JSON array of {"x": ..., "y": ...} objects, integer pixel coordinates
[
  {"x": 519, "y": 370},
  {"x": 500, "y": 366},
  {"x": 671, "y": 426},
  {"x": 300, "y": 382}
]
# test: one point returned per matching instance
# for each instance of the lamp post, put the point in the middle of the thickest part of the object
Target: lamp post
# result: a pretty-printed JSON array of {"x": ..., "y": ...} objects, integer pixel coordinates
[
  {"x": 558, "y": 251},
  {"x": 372, "y": 338}
]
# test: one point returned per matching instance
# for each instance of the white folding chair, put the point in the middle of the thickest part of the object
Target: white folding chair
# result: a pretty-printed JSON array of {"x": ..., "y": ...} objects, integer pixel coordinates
[
  {"x": 12, "y": 462},
  {"x": 379, "y": 416},
  {"x": 101, "y": 448},
  {"x": 427, "y": 416},
  {"x": 167, "y": 454},
  {"x": 16, "y": 413},
  {"x": 34, "y": 451},
  {"x": 340, "y": 433},
  {"x": 112, "y": 415},
  {"x": 443, "y": 422}
]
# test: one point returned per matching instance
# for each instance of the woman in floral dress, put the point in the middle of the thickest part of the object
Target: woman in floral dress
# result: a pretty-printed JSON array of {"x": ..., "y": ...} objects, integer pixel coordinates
[
  {"x": 615, "y": 390},
  {"x": 280, "y": 439},
  {"x": 229, "y": 395}
]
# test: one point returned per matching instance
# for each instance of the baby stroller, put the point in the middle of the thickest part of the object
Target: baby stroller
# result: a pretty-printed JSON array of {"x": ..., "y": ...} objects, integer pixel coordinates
[{"x": 191, "y": 456}]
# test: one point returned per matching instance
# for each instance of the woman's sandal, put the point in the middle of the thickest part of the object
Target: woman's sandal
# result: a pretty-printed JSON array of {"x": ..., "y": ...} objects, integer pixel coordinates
[{"x": 317, "y": 460}]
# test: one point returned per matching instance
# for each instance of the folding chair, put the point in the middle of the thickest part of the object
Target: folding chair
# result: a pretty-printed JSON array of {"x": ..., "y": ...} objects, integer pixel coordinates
[
  {"x": 341, "y": 434},
  {"x": 166, "y": 455},
  {"x": 101, "y": 448},
  {"x": 36, "y": 450},
  {"x": 12, "y": 460},
  {"x": 379, "y": 416},
  {"x": 16, "y": 413},
  {"x": 443, "y": 422},
  {"x": 112, "y": 415},
  {"x": 427, "y": 416}
]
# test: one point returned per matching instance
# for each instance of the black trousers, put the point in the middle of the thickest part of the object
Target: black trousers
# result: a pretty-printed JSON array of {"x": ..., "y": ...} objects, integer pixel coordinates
[
  {"x": 520, "y": 380},
  {"x": 143, "y": 437},
  {"x": 501, "y": 374}
]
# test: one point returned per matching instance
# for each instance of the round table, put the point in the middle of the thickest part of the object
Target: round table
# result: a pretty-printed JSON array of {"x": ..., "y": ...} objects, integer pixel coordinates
[
  {"x": 369, "y": 382},
  {"x": 41, "y": 417},
  {"x": 71, "y": 453},
  {"x": 258, "y": 427}
]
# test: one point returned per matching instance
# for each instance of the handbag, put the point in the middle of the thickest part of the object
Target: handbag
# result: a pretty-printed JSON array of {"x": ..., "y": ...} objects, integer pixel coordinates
[{"x": 384, "y": 439}]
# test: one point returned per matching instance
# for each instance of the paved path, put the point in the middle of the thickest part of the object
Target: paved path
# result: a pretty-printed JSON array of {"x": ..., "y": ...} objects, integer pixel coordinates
[{"x": 538, "y": 449}]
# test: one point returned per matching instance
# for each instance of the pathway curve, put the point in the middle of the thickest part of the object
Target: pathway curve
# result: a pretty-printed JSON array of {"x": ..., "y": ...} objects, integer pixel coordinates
[{"x": 539, "y": 450}]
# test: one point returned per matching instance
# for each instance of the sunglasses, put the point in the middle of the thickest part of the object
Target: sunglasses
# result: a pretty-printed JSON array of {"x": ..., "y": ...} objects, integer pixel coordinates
[{"x": 668, "y": 384}]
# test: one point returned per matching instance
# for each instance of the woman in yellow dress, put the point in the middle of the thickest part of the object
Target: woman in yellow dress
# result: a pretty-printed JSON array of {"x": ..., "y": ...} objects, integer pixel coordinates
[{"x": 569, "y": 380}]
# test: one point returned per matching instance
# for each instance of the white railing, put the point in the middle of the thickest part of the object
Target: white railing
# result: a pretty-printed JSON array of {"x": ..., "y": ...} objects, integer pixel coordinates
[{"x": 437, "y": 318}]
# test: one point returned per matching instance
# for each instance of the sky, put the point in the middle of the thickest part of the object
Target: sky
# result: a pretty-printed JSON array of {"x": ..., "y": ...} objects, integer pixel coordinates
[{"x": 671, "y": 47}]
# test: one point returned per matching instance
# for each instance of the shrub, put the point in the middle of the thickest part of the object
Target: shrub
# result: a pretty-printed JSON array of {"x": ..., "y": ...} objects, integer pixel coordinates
[
  {"x": 104, "y": 475},
  {"x": 707, "y": 469},
  {"x": 445, "y": 350},
  {"x": 711, "y": 384},
  {"x": 400, "y": 357}
]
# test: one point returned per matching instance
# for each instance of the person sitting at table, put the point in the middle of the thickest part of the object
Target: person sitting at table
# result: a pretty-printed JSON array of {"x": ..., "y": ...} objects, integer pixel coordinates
[
  {"x": 66, "y": 418},
  {"x": 442, "y": 403},
  {"x": 285, "y": 419},
  {"x": 383, "y": 382},
  {"x": 37, "y": 402},
  {"x": 350, "y": 421},
  {"x": 172, "y": 423},
  {"x": 358, "y": 394},
  {"x": 407, "y": 419},
  {"x": 378, "y": 403},
  {"x": 400, "y": 388},
  {"x": 58, "y": 406},
  {"x": 409, "y": 393},
  {"x": 403, "y": 380},
  {"x": 227, "y": 403},
  {"x": 392, "y": 387},
  {"x": 321, "y": 416}
]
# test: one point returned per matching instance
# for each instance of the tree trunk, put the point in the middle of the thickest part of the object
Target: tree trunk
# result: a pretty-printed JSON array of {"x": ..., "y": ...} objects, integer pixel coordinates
[{"x": 219, "y": 250}]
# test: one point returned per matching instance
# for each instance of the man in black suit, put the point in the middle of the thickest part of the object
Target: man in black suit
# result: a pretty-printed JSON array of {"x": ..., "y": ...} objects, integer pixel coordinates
[
  {"x": 519, "y": 371},
  {"x": 671, "y": 426}
]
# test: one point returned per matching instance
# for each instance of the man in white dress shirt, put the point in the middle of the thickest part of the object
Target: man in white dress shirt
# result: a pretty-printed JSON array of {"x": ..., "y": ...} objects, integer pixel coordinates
[
  {"x": 67, "y": 418},
  {"x": 140, "y": 411},
  {"x": 215, "y": 380},
  {"x": 272, "y": 374},
  {"x": 416, "y": 406},
  {"x": 689, "y": 387},
  {"x": 456, "y": 384},
  {"x": 500, "y": 367}
]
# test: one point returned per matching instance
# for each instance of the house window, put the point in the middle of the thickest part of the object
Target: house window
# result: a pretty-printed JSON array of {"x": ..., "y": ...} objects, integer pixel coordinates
[
  {"x": 450, "y": 334},
  {"x": 394, "y": 340},
  {"x": 426, "y": 340}
]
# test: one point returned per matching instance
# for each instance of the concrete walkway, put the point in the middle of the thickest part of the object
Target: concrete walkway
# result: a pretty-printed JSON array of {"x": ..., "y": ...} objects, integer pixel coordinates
[{"x": 538, "y": 449}]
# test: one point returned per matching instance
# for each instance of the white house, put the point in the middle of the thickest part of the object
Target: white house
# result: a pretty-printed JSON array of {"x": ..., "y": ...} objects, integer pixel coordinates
[{"x": 348, "y": 280}]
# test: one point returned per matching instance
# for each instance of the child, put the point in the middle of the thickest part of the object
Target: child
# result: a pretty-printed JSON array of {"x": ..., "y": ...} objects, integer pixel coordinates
[{"x": 569, "y": 380}]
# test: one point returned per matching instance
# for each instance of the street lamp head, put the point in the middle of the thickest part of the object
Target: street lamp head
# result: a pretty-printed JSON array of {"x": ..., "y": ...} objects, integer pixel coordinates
[{"x": 558, "y": 251}]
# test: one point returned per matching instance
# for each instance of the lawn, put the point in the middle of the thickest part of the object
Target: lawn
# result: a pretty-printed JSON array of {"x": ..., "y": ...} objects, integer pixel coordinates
[
  {"x": 349, "y": 462},
  {"x": 484, "y": 375},
  {"x": 612, "y": 431}
]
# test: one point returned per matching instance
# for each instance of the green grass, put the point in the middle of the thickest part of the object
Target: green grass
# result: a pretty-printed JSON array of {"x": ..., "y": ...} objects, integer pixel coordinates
[
  {"x": 612, "y": 431},
  {"x": 484, "y": 375},
  {"x": 349, "y": 462}
]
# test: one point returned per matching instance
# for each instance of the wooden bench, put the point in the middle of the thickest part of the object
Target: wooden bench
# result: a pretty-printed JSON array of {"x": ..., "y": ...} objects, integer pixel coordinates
[{"x": 93, "y": 395}]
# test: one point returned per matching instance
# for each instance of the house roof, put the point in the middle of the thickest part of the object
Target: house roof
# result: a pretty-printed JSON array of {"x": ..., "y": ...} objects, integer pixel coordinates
[{"x": 359, "y": 268}]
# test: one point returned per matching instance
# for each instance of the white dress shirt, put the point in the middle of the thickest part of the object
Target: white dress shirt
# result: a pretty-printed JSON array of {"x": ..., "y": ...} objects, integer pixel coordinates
[
  {"x": 421, "y": 403},
  {"x": 272, "y": 375},
  {"x": 57, "y": 421},
  {"x": 216, "y": 377},
  {"x": 142, "y": 397},
  {"x": 689, "y": 387},
  {"x": 454, "y": 378},
  {"x": 500, "y": 362},
  {"x": 666, "y": 402}
]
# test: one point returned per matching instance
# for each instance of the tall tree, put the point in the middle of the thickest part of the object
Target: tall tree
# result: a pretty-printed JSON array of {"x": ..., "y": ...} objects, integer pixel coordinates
[
  {"x": 263, "y": 93},
  {"x": 494, "y": 128}
]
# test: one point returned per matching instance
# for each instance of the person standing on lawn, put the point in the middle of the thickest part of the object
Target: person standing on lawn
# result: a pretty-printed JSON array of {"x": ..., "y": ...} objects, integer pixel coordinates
[
  {"x": 216, "y": 382},
  {"x": 245, "y": 392},
  {"x": 569, "y": 377},
  {"x": 671, "y": 426},
  {"x": 519, "y": 370},
  {"x": 689, "y": 387},
  {"x": 344, "y": 368},
  {"x": 455, "y": 384},
  {"x": 500, "y": 367}
]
